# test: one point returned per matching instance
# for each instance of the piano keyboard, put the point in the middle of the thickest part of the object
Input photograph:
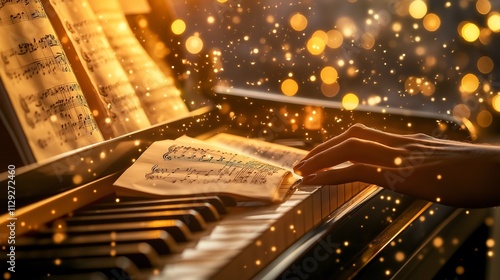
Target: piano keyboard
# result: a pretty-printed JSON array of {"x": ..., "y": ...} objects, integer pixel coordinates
[{"x": 195, "y": 238}]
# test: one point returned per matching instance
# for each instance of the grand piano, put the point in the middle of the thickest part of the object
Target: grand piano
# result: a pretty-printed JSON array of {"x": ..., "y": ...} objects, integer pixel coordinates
[{"x": 70, "y": 224}]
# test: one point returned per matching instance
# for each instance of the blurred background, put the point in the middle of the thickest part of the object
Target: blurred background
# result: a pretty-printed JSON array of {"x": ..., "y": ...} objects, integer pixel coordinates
[{"x": 439, "y": 57}]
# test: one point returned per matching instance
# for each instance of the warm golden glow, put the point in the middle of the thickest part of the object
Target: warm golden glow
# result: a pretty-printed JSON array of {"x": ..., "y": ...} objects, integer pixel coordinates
[
  {"x": 350, "y": 101},
  {"x": 335, "y": 39},
  {"x": 494, "y": 21},
  {"x": 470, "y": 83},
  {"x": 484, "y": 118},
  {"x": 483, "y": 6},
  {"x": 418, "y": 9},
  {"x": 289, "y": 87},
  {"x": 329, "y": 75},
  {"x": 330, "y": 90},
  {"x": 194, "y": 44},
  {"x": 178, "y": 26},
  {"x": 432, "y": 22},
  {"x": 298, "y": 22},
  {"x": 470, "y": 32},
  {"x": 485, "y": 64},
  {"x": 496, "y": 103},
  {"x": 316, "y": 45}
]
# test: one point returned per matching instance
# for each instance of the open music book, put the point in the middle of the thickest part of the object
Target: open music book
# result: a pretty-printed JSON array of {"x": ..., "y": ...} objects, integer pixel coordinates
[
  {"x": 73, "y": 74},
  {"x": 245, "y": 169}
]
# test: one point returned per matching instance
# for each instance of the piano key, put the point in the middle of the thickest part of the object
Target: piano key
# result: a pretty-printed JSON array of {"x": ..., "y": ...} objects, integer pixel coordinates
[
  {"x": 208, "y": 211},
  {"x": 160, "y": 240},
  {"x": 191, "y": 218},
  {"x": 141, "y": 254},
  {"x": 176, "y": 228},
  {"x": 110, "y": 203}
]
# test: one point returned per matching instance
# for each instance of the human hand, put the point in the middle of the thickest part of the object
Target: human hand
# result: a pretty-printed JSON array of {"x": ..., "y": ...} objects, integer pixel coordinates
[{"x": 450, "y": 172}]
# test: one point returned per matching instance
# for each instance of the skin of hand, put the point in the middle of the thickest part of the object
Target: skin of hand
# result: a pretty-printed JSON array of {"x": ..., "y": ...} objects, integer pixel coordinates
[{"x": 445, "y": 171}]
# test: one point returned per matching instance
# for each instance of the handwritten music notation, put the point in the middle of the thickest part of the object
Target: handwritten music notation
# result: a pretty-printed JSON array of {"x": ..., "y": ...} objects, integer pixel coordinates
[
  {"x": 283, "y": 156},
  {"x": 15, "y": 11},
  {"x": 156, "y": 89},
  {"x": 40, "y": 84},
  {"x": 106, "y": 75},
  {"x": 216, "y": 166},
  {"x": 187, "y": 166}
]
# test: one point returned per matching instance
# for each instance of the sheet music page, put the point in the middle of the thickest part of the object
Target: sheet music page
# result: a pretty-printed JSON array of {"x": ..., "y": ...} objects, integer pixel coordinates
[
  {"x": 101, "y": 65},
  {"x": 157, "y": 92},
  {"x": 40, "y": 83},
  {"x": 277, "y": 154},
  {"x": 183, "y": 167}
]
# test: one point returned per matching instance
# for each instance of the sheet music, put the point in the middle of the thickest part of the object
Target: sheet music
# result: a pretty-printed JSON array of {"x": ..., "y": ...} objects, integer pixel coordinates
[
  {"x": 280, "y": 155},
  {"x": 157, "y": 92},
  {"x": 101, "y": 65},
  {"x": 183, "y": 167},
  {"x": 40, "y": 83}
]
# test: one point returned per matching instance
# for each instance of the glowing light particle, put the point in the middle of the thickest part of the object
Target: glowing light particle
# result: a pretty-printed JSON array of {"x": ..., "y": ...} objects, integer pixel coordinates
[
  {"x": 298, "y": 22},
  {"x": 496, "y": 103},
  {"x": 178, "y": 26},
  {"x": 418, "y": 9},
  {"x": 289, "y": 87},
  {"x": 494, "y": 21},
  {"x": 350, "y": 101},
  {"x": 432, "y": 22},
  {"x": 329, "y": 75},
  {"x": 470, "y": 83},
  {"x": 194, "y": 44},
  {"x": 470, "y": 32}
]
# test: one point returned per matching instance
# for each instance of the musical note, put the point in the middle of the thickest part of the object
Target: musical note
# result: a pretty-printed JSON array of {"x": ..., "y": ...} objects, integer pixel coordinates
[
  {"x": 44, "y": 92},
  {"x": 177, "y": 167},
  {"x": 156, "y": 90},
  {"x": 101, "y": 66}
]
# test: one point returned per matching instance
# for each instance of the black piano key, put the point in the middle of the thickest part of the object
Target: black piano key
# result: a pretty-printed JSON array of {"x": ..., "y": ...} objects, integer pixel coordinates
[
  {"x": 208, "y": 211},
  {"x": 177, "y": 229},
  {"x": 110, "y": 203},
  {"x": 191, "y": 218},
  {"x": 141, "y": 254},
  {"x": 95, "y": 268},
  {"x": 160, "y": 240}
]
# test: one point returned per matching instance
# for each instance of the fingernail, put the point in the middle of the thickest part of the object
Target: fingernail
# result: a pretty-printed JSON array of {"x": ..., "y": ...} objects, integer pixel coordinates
[
  {"x": 308, "y": 178},
  {"x": 299, "y": 165}
]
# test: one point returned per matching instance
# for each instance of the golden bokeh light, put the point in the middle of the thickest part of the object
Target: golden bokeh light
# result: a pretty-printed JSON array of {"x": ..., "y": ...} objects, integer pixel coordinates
[
  {"x": 485, "y": 64},
  {"x": 289, "y": 87},
  {"x": 330, "y": 90},
  {"x": 335, "y": 39},
  {"x": 469, "y": 31},
  {"x": 432, "y": 22},
  {"x": 367, "y": 41},
  {"x": 418, "y": 9},
  {"x": 194, "y": 44},
  {"x": 298, "y": 22},
  {"x": 350, "y": 101},
  {"x": 469, "y": 83},
  {"x": 495, "y": 102},
  {"x": 178, "y": 26},
  {"x": 484, "y": 118},
  {"x": 461, "y": 111},
  {"x": 483, "y": 6},
  {"x": 316, "y": 45},
  {"x": 494, "y": 21},
  {"x": 329, "y": 75}
]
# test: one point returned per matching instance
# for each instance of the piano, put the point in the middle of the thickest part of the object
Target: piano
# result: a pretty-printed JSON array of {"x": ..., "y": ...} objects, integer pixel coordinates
[{"x": 70, "y": 224}]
